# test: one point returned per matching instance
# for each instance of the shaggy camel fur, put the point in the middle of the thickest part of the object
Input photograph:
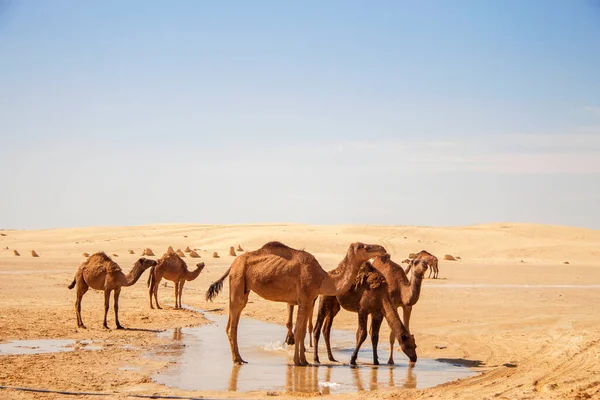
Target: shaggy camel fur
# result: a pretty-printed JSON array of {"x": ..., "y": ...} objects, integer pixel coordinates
[
  {"x": 101, "y": 273},
  {"x": 370, "y": 295},
  {"x": 277, "y": 272},
  {"x": 173, "y": 268},
  {"x": 431, "y": 260},
  {"x": 404, "y": 293}
]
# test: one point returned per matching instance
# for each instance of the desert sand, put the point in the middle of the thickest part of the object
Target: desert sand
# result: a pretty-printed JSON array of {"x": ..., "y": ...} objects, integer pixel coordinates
[{"x": 494, "y": 310}]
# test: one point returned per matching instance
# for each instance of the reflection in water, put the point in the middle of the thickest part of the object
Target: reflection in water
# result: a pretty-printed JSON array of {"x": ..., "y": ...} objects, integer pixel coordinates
[{"x": 203, "y": 352}]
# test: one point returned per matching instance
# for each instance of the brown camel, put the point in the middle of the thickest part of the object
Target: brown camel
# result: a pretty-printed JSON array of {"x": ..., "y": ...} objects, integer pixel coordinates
[
  {"x": 101, "y": 273},
  {"x": 277, "y": 272},
  {"x": 431, "y": 260},
  {"x": 370, "y": 295},
  {"x": 173, "y": 268},
  {"x": 404, "y": 293}
]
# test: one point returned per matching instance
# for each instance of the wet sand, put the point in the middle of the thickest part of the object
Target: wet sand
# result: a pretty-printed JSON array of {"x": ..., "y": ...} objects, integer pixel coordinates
[{"x": 529, "y": 329}]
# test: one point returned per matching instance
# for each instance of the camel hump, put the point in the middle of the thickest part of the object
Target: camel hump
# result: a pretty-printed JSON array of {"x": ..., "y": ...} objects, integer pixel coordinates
[{"x": 275, "y": 245}]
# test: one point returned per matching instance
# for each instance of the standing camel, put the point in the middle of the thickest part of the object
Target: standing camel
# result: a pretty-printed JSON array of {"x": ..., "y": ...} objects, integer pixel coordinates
[
  {"x": 432, "y": 261},
  {"x": 171, "y": 267},
  {"x": 403, "y": 292},
  {"x": 101, "y": 273},
  {"x": 370, "y": 295},
  {"x": 277, "y": 272}
]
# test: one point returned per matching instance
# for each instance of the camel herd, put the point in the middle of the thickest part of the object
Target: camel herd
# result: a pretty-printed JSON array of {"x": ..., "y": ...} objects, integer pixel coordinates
[{"x": 366, "y": 282}]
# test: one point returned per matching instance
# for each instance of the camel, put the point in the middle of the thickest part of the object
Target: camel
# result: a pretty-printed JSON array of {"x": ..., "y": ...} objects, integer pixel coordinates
[
  {"x": 173, "y": 268},
  {"x": 403, "y": 292},
  {"x": 431, "y": 261},
  {"x": 101, "y": 273},
  {"x": 280, "y": 273},
  {"x": 370, "y": 295}
]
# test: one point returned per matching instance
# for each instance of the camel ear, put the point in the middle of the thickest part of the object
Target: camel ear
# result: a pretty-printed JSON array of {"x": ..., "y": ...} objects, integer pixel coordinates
[
  {"x": 386, "y": 257},
  {"x": 360, "y": 246}
]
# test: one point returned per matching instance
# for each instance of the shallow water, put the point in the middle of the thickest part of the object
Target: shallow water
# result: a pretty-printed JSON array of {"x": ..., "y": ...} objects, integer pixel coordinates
[
  {"x": 20, "y": 347},
  {"x": 202, "y": 361},
  {"x": 510, "y": 286}
]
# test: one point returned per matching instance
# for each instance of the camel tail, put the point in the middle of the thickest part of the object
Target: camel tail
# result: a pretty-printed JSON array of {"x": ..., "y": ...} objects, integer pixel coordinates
[
  {"x": 72, "y": 285},
  {"x": 151, "y": 277},
  {"x": 216, "y": 287}
]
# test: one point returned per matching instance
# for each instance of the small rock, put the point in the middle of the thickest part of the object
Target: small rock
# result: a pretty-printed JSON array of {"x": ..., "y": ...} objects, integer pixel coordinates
[
  {"x": 215, "y": 255},
  {"x": 441, "y": 347}
]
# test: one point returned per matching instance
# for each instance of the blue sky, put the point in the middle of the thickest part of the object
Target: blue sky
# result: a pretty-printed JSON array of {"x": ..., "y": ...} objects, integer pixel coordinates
[{"x": 337, "y": 112}]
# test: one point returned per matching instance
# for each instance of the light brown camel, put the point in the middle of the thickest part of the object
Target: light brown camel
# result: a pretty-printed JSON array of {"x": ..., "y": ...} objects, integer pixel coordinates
[
  {"x": 431, "y": 260},
  {"x": 370, "y": 295},
  {"x": 277, "y": 272},
  {"x": 403, "y": 292},
  {"x": 101, "y": 273},
  {"x": 171, "y": 267}
]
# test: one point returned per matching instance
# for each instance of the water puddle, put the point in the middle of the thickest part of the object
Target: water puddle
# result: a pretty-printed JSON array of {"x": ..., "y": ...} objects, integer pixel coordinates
[
  {"x": 20, "y": 347},
  {"x": 202, "y": 361},
  {"x": 511, "y": 286}
]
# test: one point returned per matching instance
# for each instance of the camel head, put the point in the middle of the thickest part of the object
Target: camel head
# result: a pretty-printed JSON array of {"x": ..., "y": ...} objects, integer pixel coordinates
[
  {"x": 409, "y": 347},
  {"x": 145, "y": 263},
  {"x": 364, "y": 252},
  {"x": 200, "y": 266},
  {"x": 419, "y": 267}
]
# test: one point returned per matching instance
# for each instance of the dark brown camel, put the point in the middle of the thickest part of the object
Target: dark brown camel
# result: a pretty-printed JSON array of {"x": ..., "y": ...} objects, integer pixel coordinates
[
  {"x": 277, "y": 272},
  {"x": 101, "y": 273},
  {"x": 368, "y": 296}
]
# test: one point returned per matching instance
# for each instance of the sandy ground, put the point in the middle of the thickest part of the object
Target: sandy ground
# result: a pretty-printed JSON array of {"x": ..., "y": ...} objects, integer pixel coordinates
[{"x": 525, "y": 342}]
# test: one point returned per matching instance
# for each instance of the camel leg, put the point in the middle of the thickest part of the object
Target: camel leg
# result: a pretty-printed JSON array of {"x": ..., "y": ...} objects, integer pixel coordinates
[
  {"x": 151, "y": 290},
  {"x": 310, "y": 325},
  {"x": 430, "y": 272},
  {"x": 157, "y": 279},
  {"x": 289, "y": 339},
  {"x": 392, "y": 340},
  {"x": 117, "y": 294},
  {"x": 406, "y": 311},
  {"x": 327, "y": 335},
  {"x": 361, "y": 334},
  {"x": 436, "y": 272},
  {"x": 238, "y": 298},
  {"x": 376, "y": 321},
  {"x": 106, "y": 305},
  {"x": 176, "y": 294},
  {"x": 82, "y": 288},
  {"x": 317, "y": 331},
  {"x": 304, "y": 308},
  {"x": 181, "y": 292}
]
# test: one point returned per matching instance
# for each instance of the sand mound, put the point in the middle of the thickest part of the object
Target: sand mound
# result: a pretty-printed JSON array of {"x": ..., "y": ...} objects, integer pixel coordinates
[
  {"x": 147, "y": 252},
  {"x": 131, "y": 252},
  {"x": 34, "y": 254},
  {"x": 239, "y": 248},
  {"x": 188, "y": 250},
  {"x": 232, "y": 251},
  {"x": 86, "y": 255},
  {"x": 2, "y": 234},
  {"x": 180, "y": 253},
  {"x": 448, "y": 257},
  {"x": 170, "y": 249},
  {"x": 566, "y": 262},
  {"x": 412, "y": 255},
  {"x": 16, "y": 253},
  {"x": 215, "y": 255},
  {"x": 115, "y": 255},
  {"x": 193, "y": 254}
]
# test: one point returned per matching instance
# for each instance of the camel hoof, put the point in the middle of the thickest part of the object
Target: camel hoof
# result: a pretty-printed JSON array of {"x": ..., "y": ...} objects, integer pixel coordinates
[
  {"x": 316, "y": 361},
  {"x": 120, "y": 327},
  {"x": 376, "y": 362},
  {"x": 352, "y": 362},
  {"x": 105, "y": 326},
  {"x": 240, "y": 362},
  {"x": 332, "y": 359},
  {"x": 390, "y": 362},
  {"x": 82, "y": 326}
]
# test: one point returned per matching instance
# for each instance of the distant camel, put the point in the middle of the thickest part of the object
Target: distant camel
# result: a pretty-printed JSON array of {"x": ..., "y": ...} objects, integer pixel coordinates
[
  {"x": 101, "y": 273},
  {"x": 370, "y": 295},
  {"x": 277, "y": 272},
  {"x": 171, "y": 267},
  {"x": 432, "y": 261}
]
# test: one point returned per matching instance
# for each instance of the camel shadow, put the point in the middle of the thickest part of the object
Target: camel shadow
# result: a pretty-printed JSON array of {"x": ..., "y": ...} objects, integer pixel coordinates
[
  {"x": 461, "y": 362},
  {"x": 141, "y": 330}
]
